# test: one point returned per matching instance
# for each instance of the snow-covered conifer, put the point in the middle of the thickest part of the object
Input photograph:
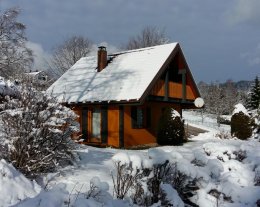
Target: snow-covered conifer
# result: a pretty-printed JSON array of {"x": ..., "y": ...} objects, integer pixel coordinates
[
  {"x": 241, "y": 124},
  {"x": 254, "y": 95},
  {"x": 171, "y": 128}
]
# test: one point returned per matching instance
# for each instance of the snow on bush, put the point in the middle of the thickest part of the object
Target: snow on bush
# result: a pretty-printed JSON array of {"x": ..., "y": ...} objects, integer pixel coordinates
[
  {"x": 142, "y": 179},
  {"x": 241, "y": 123},
  {"x": 170, "y": 128},
  {"x": 240, "y": 108},
  {"x": 98, "y": 190},
  {"x": 8, "y": 88},
  {"x": 255, "y": 114},
  {"x": 36, "y": 132},
  {"x": 172, "y": 195},
  {"x": 14, "y": 187},
  {"x": 223, "y": 179}
]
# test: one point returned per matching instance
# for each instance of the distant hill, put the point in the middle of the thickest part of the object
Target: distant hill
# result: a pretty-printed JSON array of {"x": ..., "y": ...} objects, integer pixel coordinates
[{"x": 242, "y": 85}]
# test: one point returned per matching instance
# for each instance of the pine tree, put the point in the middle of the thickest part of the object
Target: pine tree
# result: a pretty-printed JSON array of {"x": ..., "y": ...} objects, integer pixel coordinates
[{"x": 254, "y": 96}]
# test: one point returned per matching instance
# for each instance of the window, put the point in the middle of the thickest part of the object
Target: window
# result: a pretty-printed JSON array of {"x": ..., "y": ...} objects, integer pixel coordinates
[
  {"x": 141, "y": 118},
  {"x": 96, "y": 123}
]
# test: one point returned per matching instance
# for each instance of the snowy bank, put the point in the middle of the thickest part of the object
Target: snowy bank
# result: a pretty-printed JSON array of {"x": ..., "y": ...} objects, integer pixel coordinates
[{"x": 14, "y": 187}]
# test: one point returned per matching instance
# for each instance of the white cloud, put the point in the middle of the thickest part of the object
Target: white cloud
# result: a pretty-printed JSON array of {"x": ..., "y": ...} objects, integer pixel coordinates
[
  {"x": 244, "y": 11},
  {"x": 252, "y": 57},
  {"x": 110, "y": 48},
  {"x": 40, "y": 56}
]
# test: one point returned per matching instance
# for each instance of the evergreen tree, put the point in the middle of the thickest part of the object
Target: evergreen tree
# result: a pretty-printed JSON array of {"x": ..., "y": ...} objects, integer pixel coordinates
[
  {"x": 254, "y": 95},
  {"x": 171, "y": 128}
]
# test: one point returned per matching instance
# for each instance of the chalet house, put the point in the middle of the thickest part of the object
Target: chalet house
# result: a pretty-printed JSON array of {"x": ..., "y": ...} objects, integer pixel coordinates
[
  {"x": 39, "y": 79},
  {"x": 37, "y": 76},
  {"x": 120, "y": 97}
]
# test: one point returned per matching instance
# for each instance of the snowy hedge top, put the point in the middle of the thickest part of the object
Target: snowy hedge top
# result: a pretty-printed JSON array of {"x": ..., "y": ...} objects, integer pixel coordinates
[
  {"x": 126, "y": 77},
  {"x": 8, "y": 88},
  {"x": 240, "y": 108}
]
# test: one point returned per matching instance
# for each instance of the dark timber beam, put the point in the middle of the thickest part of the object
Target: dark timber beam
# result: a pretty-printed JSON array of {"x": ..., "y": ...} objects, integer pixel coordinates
[
  {"x": 183, "y": 74},
  {"x": 166, "y": 86},
  {"x": 84, "y": 123},
  {"x": 104, "y": 125},
  {"x": 121, "y": 126},
  {"x": 170, "y": 100}
]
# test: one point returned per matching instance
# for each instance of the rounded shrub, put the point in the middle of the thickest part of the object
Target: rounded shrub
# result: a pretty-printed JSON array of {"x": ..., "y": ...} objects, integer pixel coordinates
[
  {"x": 170, "y": 128},
  {"x": 241, "y": 126}
]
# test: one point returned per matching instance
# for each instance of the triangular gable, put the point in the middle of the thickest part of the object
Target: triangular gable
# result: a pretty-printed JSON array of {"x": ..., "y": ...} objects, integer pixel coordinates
[{"x": 182, "y": 64}]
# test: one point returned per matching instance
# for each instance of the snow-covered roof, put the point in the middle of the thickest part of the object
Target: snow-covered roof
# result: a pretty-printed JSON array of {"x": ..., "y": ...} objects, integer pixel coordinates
[
  {"x": 126, "y": 77},
  {"x": 35, "y": 73}
]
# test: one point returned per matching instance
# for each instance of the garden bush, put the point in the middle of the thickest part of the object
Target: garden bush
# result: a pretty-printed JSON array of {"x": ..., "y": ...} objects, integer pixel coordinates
[
  {"x": 36, "y": 132},
  {"x": 170, "y": 128},
  {"x": 241, "y": 126}
]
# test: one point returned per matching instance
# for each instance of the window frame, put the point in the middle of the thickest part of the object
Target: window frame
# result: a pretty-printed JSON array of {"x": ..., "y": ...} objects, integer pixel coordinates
[{"x": 140, "y": 117}]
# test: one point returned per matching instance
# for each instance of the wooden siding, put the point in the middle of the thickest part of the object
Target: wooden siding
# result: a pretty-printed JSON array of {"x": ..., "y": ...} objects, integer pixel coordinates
[
  {"x": 175, "y": 90},
  {"x": 113, "y": 126},
  {"x": 158, "y": 89},
  {"x": 133, "y": 137}
]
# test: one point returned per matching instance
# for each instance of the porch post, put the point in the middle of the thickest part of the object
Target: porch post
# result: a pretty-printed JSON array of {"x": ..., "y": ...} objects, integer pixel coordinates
[
  {"x": 84, "y": 123},
  {"x": 104, "y": 125},
  {"x": 166, "y": 86},
  {"x": 121, "y": 126}
]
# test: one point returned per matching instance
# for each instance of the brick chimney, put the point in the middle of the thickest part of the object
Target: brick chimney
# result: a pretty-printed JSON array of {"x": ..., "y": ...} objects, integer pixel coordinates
[{"x": 102, "y": 58}]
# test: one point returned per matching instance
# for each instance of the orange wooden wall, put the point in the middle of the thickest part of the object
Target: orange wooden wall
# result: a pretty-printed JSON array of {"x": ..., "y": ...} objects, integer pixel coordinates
[
  {"x": 175, "y": 90},
  {"x": 134, "y": 137},
  {"x": 113, "y": 126}
]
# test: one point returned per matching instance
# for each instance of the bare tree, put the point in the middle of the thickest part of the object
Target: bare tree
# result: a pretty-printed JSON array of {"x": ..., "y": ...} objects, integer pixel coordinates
[
  {"x": 68, "y": 53},
  {"x": 220, "y": 98},
  {"x": 15, "y": 57},
  {"x": 149, "y": 36}
]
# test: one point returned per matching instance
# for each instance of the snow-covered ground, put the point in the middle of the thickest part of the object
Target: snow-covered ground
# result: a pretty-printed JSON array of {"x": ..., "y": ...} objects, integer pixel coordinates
[
  {"x": 204, "y": 121},
  {"x": 220, "y": 169}
]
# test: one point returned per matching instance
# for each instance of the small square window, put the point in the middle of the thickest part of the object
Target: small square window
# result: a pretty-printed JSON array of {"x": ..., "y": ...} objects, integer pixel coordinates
[{"x": 140, "y": 117}]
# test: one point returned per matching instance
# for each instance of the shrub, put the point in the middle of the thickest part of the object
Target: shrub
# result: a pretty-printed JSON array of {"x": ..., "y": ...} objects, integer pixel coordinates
[
  {"x": 183, "y": 184},
  {"x": 37, "y": 131},
  {"x": 255, "y": 115},
  {"x": 240, "y": 155},
  {"x": 241, "y": 126},
  {"x": 170, "y": 128},
  {"x": 144, "y": 185},
  {"x": 125, "y": 178},
  {"x": 223, "y": 135},
  {"x": 257, "y": 177}
]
